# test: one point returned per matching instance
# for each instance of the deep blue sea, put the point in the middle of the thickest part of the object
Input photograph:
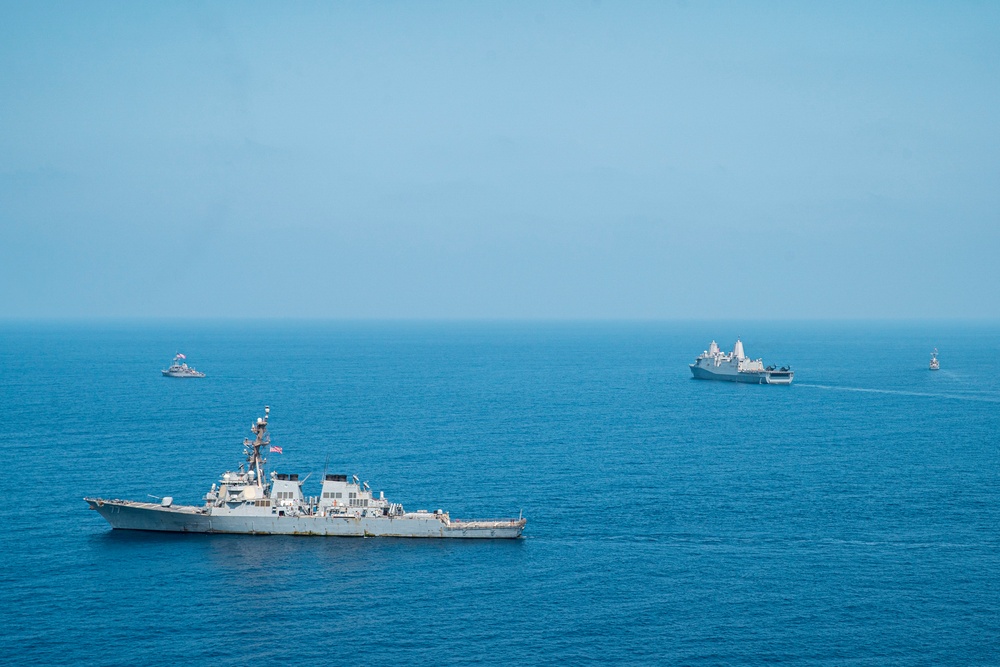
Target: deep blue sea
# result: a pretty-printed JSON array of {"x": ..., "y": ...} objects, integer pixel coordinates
[{"x": 850, "y": 519}]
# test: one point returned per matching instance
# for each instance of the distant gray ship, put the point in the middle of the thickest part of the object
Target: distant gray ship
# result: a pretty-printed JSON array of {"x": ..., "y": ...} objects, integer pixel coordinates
[
  {"x": 181, "y": 370},
  {"x": 935, "y": 364},
  {"x": 713, "y": 364},
  {"x": 250, "y": 501}
]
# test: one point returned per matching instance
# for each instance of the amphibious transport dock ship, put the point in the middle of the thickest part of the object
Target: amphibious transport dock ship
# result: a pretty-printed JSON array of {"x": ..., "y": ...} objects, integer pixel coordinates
[
  {"x": 251, "y": 501},
  {"x": 713, "y": 364}
]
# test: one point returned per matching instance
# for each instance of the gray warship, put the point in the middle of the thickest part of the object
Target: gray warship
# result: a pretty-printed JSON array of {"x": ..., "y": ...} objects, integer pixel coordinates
[
  {"x": 181, "y": 370},
  {"x": 250, "y": 501},
  {"x": 713, "y": 364}
]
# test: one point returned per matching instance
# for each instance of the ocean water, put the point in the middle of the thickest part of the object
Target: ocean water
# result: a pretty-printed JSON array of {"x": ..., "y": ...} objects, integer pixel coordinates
[{"x": 850, "y": 519}]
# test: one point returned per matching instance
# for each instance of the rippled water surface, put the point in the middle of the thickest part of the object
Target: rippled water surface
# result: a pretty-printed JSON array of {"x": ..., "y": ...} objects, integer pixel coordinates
[{"x": 850, "y": 519}]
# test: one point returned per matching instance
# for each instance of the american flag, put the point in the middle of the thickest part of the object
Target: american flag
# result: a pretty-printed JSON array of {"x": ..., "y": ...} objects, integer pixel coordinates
[
  {"x": 181, "y": 356},
  {"x": 277, "y": 450}
]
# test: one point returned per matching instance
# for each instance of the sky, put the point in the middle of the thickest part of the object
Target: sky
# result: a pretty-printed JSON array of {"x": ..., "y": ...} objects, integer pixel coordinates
[{"x": 500, "y": 160}]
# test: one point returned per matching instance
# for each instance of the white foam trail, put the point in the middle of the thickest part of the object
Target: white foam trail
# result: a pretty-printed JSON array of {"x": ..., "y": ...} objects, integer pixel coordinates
[{"x": 897, "y": 392}]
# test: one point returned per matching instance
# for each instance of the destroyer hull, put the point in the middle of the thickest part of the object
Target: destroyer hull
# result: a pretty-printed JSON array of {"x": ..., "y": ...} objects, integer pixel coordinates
[
  {"x": 746, "y": 377},
  {"x": 129, "y": 515}
]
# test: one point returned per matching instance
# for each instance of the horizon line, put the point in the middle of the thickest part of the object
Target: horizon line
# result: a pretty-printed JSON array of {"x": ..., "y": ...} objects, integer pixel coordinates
[{"x": 146, "y": 319}]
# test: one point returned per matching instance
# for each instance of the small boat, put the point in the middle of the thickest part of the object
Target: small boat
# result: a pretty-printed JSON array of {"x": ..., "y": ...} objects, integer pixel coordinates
[
  {"x": 180, "y": 369},
  {"x": 935, "y": 364}
]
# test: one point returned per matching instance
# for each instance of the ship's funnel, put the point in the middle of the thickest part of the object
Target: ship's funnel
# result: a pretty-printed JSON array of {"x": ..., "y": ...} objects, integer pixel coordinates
[{"x": 738, "y": 349}]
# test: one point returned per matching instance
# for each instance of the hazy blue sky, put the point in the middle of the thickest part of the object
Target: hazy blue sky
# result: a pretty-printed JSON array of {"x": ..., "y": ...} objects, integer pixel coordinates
[{"x": 500, "y": 160}]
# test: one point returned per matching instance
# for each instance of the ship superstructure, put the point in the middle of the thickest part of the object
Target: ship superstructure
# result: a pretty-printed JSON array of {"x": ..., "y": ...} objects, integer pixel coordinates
[
  {"x": 252, "y": 501},
  {"x": 935, "y": 364},
  {"x": 180, "y": 369},
  {"x": 735, "y": 366}
]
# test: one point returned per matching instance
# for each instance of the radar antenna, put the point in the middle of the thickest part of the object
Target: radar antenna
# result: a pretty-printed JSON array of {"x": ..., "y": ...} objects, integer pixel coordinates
[{"x": 255, "y": 458}]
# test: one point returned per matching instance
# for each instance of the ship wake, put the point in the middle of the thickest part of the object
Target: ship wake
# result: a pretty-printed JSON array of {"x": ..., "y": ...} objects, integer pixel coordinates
[{"x": 901, "y": 392}]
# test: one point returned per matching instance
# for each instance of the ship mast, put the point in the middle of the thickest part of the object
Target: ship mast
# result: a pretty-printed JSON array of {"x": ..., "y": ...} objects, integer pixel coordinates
[{"x": 255, "y": 459}]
